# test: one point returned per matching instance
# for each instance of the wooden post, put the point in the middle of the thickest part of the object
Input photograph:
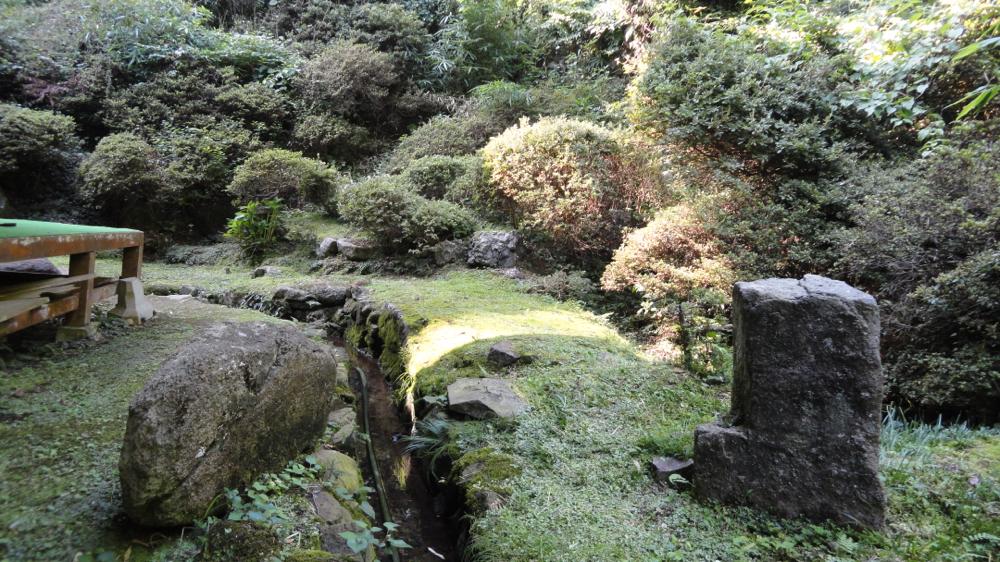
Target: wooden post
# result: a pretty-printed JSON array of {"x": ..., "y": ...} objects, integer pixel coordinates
[
  {"x": 132, "y": 262},
  {"x": 78, "y": 324}
]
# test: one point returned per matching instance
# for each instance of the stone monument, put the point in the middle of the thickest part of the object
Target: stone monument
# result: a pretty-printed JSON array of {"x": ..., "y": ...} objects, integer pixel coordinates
[{"x": 802, "y": 437}]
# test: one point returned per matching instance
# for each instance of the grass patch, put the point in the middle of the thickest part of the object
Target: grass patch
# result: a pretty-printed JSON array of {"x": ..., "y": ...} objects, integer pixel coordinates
[
  {"x": 59, "y": 490},
  {"x": 600, "y": 408},
  {"x": 311, "y": 225}
]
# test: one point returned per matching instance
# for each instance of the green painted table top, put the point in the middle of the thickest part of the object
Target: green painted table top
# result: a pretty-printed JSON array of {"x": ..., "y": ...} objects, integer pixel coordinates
[{"x": 26, "y": 228}]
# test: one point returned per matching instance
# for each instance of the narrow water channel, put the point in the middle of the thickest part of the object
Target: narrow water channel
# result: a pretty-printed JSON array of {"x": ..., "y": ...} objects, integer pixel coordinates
[{"x": 423, "y": 517}]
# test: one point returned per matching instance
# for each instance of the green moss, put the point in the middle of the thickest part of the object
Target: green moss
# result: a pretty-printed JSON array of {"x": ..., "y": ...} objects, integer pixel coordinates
[
  {"x": 390, "y": 330},
  {"x": 240, "y": 540},
  {"x": 354, "y": 335},
  {"x": 310, "y": 556}
]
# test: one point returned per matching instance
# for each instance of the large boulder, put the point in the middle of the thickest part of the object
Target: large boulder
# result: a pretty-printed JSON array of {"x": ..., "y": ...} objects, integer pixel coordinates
[
  {"x": 484, "y": 398},
  {"x": 238, "y": 401},
  {"x": 802, "y": 439},
  {"x": 493, "y": 249}
]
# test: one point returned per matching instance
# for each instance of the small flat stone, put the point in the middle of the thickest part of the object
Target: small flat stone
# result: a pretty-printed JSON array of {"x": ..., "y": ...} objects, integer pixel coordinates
[
  {"x": 484, "y": 398},
  {"x": 502, "y": 354}
]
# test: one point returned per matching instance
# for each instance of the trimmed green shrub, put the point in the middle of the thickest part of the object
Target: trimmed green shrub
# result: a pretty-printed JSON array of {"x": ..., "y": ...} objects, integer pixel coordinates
[
  {"x": 573, "y": 184},
  {"x": 382, "y": 205},
  {"x": 444, "y": 135},
  {"x": 435, "y": 177},
  {"x": 39, "y": 152},
  {"x": 431, "y": 222},
  {"x": 123, "y": 178},
  {"x": 286, "y": 175}
]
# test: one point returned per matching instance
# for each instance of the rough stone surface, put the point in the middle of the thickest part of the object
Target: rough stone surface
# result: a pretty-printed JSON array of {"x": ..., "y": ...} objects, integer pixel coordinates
[
  {"x": 502, "y": 354},
  {"x": 239, "y": 400},
  {"x": 329, "y": 295},
  {"x": 450, "y": 251},
  {"x": 802, "y": 438},
  {"x": 665, "y": 467},
  {"x": 493, "y": 249},
  {"x": 327, "y": 248},
  {"x": 339, "y": 470},
  {"x": 356, "y": 250},
  {"x": 484, "y": 398}
]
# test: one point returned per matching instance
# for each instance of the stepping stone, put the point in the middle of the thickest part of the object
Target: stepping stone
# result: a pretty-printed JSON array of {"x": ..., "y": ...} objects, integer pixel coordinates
[{"x": 485, "y": 398}]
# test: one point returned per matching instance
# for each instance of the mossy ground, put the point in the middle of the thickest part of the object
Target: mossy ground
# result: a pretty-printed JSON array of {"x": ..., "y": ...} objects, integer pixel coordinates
[
  {"x": 60, "y": 437},
  {"x": 601, "y": 407}
]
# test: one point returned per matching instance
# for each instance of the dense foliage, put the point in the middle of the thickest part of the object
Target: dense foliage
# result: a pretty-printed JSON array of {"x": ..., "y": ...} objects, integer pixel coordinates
[{"x": 665, "y": 148}]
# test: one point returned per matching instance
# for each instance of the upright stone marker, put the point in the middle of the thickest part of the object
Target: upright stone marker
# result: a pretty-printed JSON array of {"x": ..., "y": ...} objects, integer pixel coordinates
[{"x": 802, "y": 436}]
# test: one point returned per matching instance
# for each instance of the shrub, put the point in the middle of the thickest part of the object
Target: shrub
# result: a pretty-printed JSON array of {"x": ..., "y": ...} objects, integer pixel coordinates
[
  {"x": 256, "y": 226},
  {"x": 672, "y": 258},
  {"x": 709, "y": 88},
  {"x": 949, "y": 362},
  {"x": 199, "y": 163},
  {"x": 435, "y": 177},
  {"x": 918, "y": 219},
  {"x": 572, "y": 285},
  {"x": 331, "y": 137},
  {"x": 925, "y": 243},
  {"x": 390, "y": 28},
  {"x": 123, "y": 179},
  {"x": 382, "y": 206},
  {"x": 261, "y": 109},
  {"x": 349, "y": 79},
  {"x": 445, "y": 135},
  {"x": 10, "y": 68},
  {"x": 182, "y": 94},
  {"x": 572, "y": 183},
  {"x": 286, "y": 175},
  {"x": 677, "y": 266},
  {"x": 39, "y": 152},
  {"x": 433, "y": 221}
]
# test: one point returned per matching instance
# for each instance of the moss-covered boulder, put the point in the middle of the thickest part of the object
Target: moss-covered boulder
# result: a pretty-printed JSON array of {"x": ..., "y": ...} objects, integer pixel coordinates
[
  {"x": 340, "y": 470},
  {"x": 240, "y": 540},
  {"x": 239, "y": 400}
]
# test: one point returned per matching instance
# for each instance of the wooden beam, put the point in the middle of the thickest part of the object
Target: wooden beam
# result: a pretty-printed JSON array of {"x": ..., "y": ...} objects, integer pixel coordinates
[
  {"x": 16, "y": 249},
  {"x": 37, "y": 315}
]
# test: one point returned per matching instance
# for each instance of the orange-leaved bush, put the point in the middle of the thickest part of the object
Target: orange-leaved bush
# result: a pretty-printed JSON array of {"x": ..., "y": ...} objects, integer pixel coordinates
[
  {"x": 673, "y": 257},
  {"x": 573, "y": 184}
]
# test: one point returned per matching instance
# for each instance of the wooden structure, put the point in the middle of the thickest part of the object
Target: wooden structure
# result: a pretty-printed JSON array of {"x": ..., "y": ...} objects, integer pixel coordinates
[{"x": 34, "y": 298}]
